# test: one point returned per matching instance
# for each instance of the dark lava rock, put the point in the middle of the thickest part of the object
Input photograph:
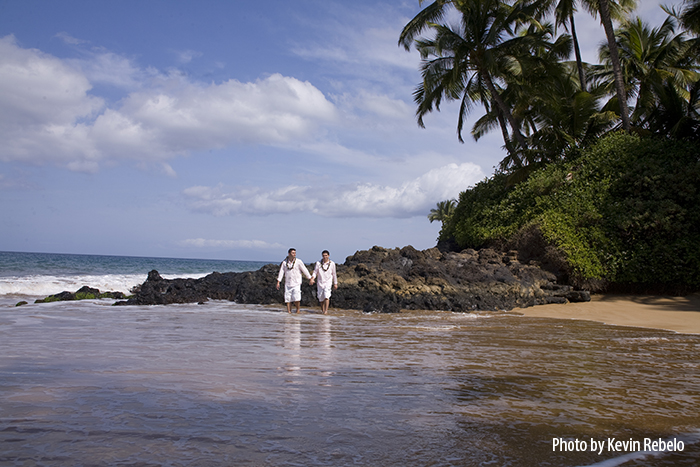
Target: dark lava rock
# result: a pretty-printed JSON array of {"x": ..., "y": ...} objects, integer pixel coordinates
[
  {"x": 84, "y": 293},
  {"x": 384, "y": 280}
]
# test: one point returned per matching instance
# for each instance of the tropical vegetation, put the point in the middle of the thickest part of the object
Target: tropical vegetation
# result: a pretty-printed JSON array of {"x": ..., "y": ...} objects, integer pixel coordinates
[
  {"x": 601, "y": 160},
  {"x": 623, "y": 213},
  {"x": 443, "y": 212}
]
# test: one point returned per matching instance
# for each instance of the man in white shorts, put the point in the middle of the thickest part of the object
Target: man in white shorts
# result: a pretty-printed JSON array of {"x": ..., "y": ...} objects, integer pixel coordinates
[
  {"x": 327, "y": 279},
  {"x": 291, "y": 269}
]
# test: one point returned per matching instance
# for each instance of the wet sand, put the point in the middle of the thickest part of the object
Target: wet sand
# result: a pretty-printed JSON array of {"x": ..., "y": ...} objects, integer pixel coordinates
[{"x": 680, "y": 314}]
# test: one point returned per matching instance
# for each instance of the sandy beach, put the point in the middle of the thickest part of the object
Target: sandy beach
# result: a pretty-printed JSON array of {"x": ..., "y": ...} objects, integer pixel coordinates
[{"x": 680, "y": 314}]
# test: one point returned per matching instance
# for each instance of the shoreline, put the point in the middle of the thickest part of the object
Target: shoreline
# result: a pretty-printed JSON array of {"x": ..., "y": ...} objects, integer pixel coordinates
[{"x": 679, "y": 314}]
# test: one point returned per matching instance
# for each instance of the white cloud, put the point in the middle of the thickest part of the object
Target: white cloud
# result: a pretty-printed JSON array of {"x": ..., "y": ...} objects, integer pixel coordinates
[
  {"x": 43, "y": 102},
  {"x": 248, "y": 244},
  {"x": 38, "y": 89},
  {"x": 363, "y": 48},
  {"x": 276, "y": 109},
  {"x": 186, "y": 56},
  {"x": 382, "y": 106},
  {"x": 48, "y": 116},
  {"x": 68, "y": 39},
  {"x": 413, "y": 198},
  {"x": 101, "y": 66},
  {"x": 106, "y": 67},
  {"x": 357, "y": 51}
]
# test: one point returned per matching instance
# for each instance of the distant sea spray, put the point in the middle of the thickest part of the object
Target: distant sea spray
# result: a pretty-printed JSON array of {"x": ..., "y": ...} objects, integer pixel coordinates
[{"x": 40, "y": 274}]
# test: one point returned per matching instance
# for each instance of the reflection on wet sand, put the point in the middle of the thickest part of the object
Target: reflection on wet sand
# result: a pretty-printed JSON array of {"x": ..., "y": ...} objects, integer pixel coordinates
[
  {"x": 232, "y": 385},
  {"x": 292, "y": 344}
]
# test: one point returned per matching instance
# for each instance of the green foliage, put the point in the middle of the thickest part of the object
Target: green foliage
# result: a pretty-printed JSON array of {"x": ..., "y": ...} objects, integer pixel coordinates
[
  {"x": 49, "y": 299},
  {"x": 443, "y": 211},
  {"x": 84, "y": 293},
  {"x": 470, "y": 223},
  {"x": 624, "y": 212},
  {"x": 84, "y": 296},
  {"x": 653, "y": 214}
]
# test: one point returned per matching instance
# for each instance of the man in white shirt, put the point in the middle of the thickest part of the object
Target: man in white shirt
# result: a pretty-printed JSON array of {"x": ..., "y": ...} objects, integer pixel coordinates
[
  {"x": 291, "y": 269},
  {"x": 327, "y": 279}
]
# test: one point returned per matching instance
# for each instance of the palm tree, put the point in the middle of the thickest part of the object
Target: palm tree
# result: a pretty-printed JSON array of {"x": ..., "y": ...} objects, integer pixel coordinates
[
  {"x": 538, "y": 71},
  {"x": 568, "y": 117},
  {"x": 608, "y": 10},
  {"x": 690, "y": 16},
  {"x": 444, "y": 211},
  {"x": 675, "y": 116},
  {"x": 433, "y": 13},
  {"x": 652, "y": 58},
  {"x": 557, "y": 115},
  {"x": 660, "y": 68},
  {"x": 500, "y": 55},
  {"x": 467, "y": 62},
  {"x": 564, "y": 15},
  {"x": 606, "y": 21}
]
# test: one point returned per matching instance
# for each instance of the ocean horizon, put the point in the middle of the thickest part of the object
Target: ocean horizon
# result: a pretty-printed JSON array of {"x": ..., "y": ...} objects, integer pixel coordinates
[{"x": 37, "y": 274}]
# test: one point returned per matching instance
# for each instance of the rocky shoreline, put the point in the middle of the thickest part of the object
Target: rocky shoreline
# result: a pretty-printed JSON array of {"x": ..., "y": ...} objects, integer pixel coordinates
[
  {"x": 385, "y": 280},
  {"x": 84, "y": 293}
]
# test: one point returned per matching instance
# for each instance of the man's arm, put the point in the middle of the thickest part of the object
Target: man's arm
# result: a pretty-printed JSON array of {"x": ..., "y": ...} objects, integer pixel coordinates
[
  {"x": 280, "y": 275},
  {"x": 304, "y": 271}
]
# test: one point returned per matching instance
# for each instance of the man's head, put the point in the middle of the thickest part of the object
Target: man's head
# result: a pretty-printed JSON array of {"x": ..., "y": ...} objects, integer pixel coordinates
[
  {"x": 326, "y": 255},
  {"x": 292, "y": 253}
]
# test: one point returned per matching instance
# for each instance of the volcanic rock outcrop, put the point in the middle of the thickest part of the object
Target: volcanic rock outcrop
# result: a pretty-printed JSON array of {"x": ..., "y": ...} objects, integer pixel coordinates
[
  {"x": 384, "y": 280},
  {"x": 84, "y": 293}
]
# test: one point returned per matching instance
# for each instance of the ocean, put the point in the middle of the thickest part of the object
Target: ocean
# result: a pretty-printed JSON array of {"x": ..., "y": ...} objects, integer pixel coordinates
[
  {"x": 42, "y": 274},
  {"x": 85, "y": 383}
]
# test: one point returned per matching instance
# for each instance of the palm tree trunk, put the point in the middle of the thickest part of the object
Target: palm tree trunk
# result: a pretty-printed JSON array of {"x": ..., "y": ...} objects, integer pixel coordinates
[
  {"x": 604, "y": 11},
  {"x": 577, "y": 51},
  {"x": 505, "y": 110},
  {"x": 504, "y": 132}
]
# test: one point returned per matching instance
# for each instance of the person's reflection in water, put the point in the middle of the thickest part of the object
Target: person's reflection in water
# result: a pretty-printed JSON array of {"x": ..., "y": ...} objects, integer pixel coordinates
[
  {"x": 292, "y": 344},
  {"x": 325, "y": 350}
]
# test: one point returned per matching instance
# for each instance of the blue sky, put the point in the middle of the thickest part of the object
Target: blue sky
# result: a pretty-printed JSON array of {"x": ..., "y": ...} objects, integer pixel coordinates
[{"x": 221, "y": 129}]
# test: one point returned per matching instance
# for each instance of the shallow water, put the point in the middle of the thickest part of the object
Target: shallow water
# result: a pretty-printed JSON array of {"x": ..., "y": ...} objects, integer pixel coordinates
[{"x": 84, "y": 383}]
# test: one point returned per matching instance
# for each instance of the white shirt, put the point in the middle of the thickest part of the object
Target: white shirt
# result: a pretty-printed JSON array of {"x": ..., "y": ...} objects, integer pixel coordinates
[
  {"x": 293, "y": 272},
  {"x": 326, "y": 275}
]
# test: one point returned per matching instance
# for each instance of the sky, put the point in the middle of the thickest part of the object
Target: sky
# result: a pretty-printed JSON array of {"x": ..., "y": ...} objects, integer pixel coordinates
[{"x": 225, "y": 130}]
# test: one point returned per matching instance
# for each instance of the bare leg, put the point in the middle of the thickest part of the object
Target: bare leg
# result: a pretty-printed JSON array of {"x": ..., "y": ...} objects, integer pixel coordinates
[
  {"x": 297, "y": 306},
  {"x": 289, "y": 307},
  {"x": 324, "y": 306}
]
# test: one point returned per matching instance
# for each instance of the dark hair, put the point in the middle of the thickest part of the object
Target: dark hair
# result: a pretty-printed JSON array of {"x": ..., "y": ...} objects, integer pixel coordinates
[
  {"x": 325, "y": 251},
  {"x": 291, "y": 249}
]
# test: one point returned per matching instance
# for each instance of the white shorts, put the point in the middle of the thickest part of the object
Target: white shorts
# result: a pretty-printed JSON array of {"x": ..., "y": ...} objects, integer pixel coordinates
[
  {"x": 324, "y": 293},
  {"x": 292, "y": 294}
]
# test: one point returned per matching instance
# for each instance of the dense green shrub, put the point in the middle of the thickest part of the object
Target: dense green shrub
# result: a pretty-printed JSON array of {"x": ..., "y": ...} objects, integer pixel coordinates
[{"x": 624, "y": 212}]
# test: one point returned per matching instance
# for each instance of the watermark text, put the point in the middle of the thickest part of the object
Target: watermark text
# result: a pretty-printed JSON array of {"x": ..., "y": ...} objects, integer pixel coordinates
[{"x": 617, "y": 445}]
